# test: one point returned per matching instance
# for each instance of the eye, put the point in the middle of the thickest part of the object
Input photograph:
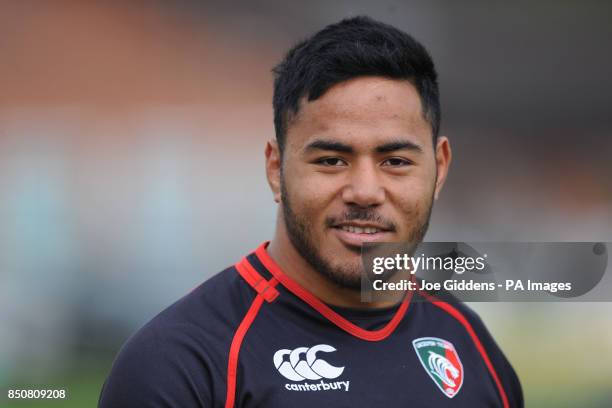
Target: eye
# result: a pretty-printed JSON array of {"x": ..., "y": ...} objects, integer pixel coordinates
[
  {"x": 331, "y": 162},
  {"x": 396, "y": 162}
]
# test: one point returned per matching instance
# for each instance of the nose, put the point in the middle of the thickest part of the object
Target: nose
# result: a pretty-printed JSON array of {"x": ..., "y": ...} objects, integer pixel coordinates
[{"x": 364, "y": 187}]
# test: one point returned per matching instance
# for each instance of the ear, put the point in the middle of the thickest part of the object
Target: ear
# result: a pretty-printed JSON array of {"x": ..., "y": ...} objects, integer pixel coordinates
[
  {"x": 273, "y": 168},
  {"x": 443, "y": 160}
]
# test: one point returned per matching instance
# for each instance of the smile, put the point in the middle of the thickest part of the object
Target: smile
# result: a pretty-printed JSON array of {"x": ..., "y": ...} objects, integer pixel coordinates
[
  {"x": 360, "y": 230},
  {"x": 355, "y": 234}
]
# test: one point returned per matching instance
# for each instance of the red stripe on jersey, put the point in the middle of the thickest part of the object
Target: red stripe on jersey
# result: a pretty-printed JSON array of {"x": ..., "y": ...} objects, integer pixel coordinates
[
  {"x": 253, "y": 278},
  {"x": 313, "y": 301},
  {"x": 265, "y": 290},
  {"x": 459, "y": 316},
  {"x": 232, "y": 366}
]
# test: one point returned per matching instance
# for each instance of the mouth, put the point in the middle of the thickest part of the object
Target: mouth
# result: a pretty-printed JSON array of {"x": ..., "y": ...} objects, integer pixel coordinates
[{"x": 354, "y": 234}]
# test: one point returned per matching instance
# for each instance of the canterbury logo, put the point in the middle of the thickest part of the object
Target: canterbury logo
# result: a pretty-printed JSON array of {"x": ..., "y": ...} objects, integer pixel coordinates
[
  {"x": 441, "y": 367},
  {"x": 303, "y": 363}
]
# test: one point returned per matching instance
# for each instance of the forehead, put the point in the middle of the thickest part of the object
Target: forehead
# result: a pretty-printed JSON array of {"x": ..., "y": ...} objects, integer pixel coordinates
[{"x": 362, "y": 112}]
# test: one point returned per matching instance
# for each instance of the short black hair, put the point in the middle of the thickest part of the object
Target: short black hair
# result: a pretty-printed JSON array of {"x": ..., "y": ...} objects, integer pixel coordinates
[{"x": 353, "y": 47}]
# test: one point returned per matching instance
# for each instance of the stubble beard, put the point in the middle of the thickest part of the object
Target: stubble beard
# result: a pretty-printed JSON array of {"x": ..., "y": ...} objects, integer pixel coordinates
[{"x": 345, "y": 276}]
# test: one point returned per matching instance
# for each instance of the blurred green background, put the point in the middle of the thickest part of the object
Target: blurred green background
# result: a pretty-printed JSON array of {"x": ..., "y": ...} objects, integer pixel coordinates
[{"x": 131, "y": 167}]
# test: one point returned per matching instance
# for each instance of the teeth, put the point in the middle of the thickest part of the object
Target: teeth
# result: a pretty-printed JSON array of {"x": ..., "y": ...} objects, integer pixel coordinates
[{"x": 360, "y": 230}]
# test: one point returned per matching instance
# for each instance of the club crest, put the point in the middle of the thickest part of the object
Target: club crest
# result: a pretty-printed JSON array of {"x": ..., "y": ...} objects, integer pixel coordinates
[{"x": 441, "y": 361}]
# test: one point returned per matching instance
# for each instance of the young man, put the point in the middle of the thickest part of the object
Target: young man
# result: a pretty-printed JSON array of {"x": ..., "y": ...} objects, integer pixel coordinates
[{"x": 357, "y": 158}]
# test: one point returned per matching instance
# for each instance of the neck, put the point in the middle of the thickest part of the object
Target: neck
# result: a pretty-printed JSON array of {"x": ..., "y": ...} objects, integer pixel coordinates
[{"x": 299, "y": 270}]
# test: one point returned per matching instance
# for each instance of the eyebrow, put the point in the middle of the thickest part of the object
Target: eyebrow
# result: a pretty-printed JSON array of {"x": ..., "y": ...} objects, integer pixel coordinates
[
  {"x": 399, "y": 145},
  {"x": 323, "y": 144}
]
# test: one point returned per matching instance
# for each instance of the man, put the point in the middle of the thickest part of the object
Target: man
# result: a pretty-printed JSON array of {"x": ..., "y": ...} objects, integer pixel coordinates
[{"x": 357, "y": 158}]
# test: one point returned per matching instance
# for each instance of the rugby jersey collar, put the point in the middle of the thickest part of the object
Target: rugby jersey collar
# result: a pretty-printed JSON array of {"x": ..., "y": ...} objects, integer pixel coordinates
[{"x": 273, "y": 269}]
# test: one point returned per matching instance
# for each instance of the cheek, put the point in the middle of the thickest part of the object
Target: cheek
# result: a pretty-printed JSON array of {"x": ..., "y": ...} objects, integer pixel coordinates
[
  {"x": 310, "y": 196},
  {"x": 412, "y": 198}
]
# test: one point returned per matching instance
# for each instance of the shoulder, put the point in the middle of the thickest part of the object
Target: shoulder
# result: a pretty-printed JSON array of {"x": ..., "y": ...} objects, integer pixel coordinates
[
  {"x": 220, "y": 301},
  {"x": 179, "y": 356},
  {"x": 207, "y": 314}
]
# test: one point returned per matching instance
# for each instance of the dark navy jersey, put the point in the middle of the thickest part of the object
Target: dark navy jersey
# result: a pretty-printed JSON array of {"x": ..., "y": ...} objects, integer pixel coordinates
[{"x": 252, "y": 337}]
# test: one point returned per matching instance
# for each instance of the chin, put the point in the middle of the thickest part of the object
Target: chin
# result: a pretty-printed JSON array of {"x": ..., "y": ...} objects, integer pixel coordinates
[{"x": 347, "y": 268}]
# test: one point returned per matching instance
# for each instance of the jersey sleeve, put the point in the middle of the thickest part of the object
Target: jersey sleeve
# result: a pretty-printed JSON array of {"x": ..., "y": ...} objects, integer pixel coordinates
[
  {"x": 507, "y": 375},
  {"x": 157, "y": 368}
]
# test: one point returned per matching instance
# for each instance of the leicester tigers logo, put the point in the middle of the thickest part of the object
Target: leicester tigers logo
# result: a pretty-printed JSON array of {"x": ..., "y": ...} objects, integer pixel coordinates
[{"x": 441, "y": 362}]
